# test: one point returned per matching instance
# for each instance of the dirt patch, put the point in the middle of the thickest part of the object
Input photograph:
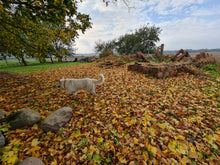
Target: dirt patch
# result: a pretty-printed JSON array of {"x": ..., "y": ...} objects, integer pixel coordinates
[{"x": 4, "y": 74}]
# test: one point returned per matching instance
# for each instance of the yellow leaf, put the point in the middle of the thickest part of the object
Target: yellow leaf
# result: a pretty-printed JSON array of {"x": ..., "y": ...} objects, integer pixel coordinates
[
  {"x": 209, "y": 138},
  {"x": 106, "y": 146},
  {"x": 58, "y": 139},
  {"x": 132, "y": 121},
  {"x": 34, "y": 142},
  {"x": 85, "y": 150},
  {"x": 132, "y": 163},
  {"x": 146, "y": 156},
  {"x": 2, "y": 98},
  {"x": 36, "y": 148},
  {"x": 179, "y": 137},
  {"x": 185, "y": 160},
  {"x": 165, "y": 153},
  {"x": 182, "y": 148},
  {"x": 9, "y": 157},
  {"x": 12, "y": 159},
  {"x": 192, "y": 152},
  {"x": 172, "y": 146},
  {"x": 144, "y": 122},
  {"x": 100, "y": 140},
  {"x": 152, "y": 131},
  {"x": 52, "y": 151},
  {"x": 114, "y": 121},
  {"x": 54, "y": 162},
  {"x": 15, "y": 141},
  {"x": 92, "y": 149},
  {"x": 162, "y": 126},
  {"x": 136, "y": 141},
  {"x": 152, "y": 149},
  {"x": 123, "y": 160}
]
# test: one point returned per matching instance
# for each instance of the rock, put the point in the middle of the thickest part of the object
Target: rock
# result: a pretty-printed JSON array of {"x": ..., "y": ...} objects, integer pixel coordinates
[
  {"x": 31, "y": 161},
  {"x": 2, "y": 114},
  {"x": 25, "y": 117},
  {"x": 57, "y": 119},
  {"x": 2, "y": 140}
]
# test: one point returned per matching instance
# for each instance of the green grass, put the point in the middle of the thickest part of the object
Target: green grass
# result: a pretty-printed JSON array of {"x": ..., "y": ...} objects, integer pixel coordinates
[
  {"x": 214, "y": 70},
  {"x": 32, "y": 66}
]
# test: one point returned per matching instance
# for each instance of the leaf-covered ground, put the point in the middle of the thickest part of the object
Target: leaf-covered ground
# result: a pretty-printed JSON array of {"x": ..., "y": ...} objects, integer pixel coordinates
[{"x": 133, "y": 119}]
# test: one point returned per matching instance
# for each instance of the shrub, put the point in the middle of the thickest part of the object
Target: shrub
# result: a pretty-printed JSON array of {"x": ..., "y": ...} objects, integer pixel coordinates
[{"x": 106, "y": 52}]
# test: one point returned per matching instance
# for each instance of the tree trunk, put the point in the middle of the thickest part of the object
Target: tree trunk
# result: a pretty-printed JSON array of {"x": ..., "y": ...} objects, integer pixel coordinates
[
  {"x": 60, "y": 59},
  {"x": 19, "y": 60},
  {"x": 51, "y": 59},
  {"x": 23, "y": 61},
  {"x": 161, "y": 52},
  {"x": 5, "y": 58}
]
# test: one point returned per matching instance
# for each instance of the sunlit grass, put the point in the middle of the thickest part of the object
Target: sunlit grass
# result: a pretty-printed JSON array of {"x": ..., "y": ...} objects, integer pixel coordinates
[{"x": 32, "y": 66}]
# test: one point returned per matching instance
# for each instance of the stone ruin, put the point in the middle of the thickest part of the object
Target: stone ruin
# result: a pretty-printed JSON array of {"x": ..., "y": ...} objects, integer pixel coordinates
[
  {"x": 198, "y": 60},
  {"x": 139, "y": 56},
  {"x": 162, "y": 71},
  {"x": 204, "y": 59},
  {"x": 181, "y": 62}
]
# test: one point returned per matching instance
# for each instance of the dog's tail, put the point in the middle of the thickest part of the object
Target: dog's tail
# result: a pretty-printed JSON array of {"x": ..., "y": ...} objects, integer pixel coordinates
[{"x": 99, "y": 81}]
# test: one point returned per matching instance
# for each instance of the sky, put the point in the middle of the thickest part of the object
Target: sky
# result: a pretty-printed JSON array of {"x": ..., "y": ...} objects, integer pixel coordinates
[{"x": 185, "y": 24}]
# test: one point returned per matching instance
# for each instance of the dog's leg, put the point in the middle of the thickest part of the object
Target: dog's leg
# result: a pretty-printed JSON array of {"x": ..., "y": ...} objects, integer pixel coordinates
[{"x": 93, "y": 90}]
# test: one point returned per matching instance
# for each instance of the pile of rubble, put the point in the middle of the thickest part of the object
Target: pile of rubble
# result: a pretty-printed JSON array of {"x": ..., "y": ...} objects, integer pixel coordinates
[
  {"x": 162, "y": 71},
  {"x": 139, "y": 56},
  {"x": 112, "y": 60},
  {"x": 180, "y": 63},
  {"x": 181, "y": 56},
  {"x": 198, "y": 60},
  {"x": 204, "y": 59}
]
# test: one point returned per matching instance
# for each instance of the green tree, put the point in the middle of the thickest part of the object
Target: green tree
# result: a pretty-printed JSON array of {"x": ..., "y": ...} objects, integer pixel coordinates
[
  {"x": 143, "y": 39},
  {"x": 28, "y": 25},
  {"x": 100, "y": 45}
]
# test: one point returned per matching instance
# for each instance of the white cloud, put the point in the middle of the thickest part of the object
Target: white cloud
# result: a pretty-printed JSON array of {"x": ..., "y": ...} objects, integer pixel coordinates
[
  {"x": 190, "y": 33},
  {"x": 184, "y": 23}
]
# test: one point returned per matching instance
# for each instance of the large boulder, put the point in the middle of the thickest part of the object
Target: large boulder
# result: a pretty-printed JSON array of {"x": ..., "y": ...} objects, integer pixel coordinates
[
  {"x": 25, "y": 117},
  {"x": 2, "y": 140},
  {"x": 31, "y": 161},
  {"x": 57, "y": 119}
]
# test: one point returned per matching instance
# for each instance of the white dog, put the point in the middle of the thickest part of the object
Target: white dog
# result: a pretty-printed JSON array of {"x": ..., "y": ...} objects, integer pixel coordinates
[{"x": 74, "y": 85}]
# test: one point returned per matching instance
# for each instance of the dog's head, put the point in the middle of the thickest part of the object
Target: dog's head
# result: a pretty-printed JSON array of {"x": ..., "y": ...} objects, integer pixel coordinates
[{"x": 60, "y": 83}]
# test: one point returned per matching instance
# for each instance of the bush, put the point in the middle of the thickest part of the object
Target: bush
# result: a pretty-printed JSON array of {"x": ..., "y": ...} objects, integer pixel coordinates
[{"x": 105, "y": 53}]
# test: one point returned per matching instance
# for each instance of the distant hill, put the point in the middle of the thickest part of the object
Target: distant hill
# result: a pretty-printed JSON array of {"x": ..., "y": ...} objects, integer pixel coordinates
[
  {"x": 165, "y": 52},
  {"x": 85, "y": 54}
]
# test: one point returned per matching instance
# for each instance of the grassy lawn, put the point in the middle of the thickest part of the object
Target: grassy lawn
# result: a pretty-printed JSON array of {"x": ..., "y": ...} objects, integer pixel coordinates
[{"x": 32, "y": 66}]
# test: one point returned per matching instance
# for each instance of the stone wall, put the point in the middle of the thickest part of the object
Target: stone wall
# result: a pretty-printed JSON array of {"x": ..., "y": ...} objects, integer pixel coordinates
[
  {"x": 204, "y": 59},
  {"x": 162, "y": 71}
]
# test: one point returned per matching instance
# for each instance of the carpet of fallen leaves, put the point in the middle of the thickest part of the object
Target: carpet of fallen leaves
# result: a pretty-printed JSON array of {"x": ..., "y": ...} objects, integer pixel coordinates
[{"x": 133, "y": 119}]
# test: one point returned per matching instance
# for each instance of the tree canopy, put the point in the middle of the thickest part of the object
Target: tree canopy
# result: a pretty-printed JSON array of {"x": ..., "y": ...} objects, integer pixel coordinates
[
  {"x": 143, "y": 39},
  {"x": 34, "y": 27}
]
